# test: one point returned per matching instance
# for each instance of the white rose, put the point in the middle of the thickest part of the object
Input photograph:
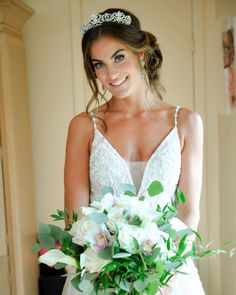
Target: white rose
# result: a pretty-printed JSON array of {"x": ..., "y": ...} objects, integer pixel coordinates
[
  {"x": 80, "y": 229},
  {"x": 54, "y": 256},
  {"x": 92, "y": 262},
  {"x": 86, "y": 231},
  {"x": 126, "y": 234}
]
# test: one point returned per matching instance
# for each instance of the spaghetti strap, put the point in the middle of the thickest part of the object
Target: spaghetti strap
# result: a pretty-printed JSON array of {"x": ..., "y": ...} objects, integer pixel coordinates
[
  {"x": 93, "y": 118},
  {"x": 176, "y": 116}
]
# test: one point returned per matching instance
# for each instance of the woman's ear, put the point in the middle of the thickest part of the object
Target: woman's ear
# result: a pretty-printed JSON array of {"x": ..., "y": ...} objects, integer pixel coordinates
[{"x": 141, "y": 55}]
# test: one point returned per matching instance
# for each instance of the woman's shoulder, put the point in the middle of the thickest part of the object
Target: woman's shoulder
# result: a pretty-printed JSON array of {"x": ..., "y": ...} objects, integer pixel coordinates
[
  {"x": 81, "y": 124},
  {"x": 187, "y": 117},
  {"x": 190, "y": 123}
]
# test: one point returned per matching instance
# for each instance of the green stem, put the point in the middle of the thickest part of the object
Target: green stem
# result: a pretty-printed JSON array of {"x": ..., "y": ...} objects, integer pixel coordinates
[{"x": 144, "y": 263}]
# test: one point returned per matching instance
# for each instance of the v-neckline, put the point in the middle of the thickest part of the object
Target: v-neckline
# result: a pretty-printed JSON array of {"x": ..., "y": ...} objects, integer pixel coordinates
[{"x": 125, "y": 162}]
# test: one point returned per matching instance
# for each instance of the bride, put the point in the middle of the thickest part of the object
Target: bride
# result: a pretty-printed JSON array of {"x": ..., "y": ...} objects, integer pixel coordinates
[{"x": 134, "y": 137}]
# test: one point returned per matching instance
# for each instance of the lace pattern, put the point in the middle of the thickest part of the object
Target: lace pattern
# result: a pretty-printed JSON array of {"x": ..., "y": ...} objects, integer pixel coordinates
[{"x": 108, "y": 168}]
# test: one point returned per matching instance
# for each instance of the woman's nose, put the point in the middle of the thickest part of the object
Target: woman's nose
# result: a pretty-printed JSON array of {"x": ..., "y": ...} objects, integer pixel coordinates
[{"x": 112, "y": 73}]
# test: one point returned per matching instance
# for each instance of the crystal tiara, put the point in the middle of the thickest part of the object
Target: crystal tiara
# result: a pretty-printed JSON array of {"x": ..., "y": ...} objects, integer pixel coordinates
[{"x": 97, "y": 19}]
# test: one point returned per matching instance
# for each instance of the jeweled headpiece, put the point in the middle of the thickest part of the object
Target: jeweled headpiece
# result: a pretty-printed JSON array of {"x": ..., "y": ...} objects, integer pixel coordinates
[{"x": 98, "y": 19}]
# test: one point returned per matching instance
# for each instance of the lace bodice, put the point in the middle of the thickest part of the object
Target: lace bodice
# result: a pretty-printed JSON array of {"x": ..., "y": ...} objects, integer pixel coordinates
[{"x": 108, "y": 168}]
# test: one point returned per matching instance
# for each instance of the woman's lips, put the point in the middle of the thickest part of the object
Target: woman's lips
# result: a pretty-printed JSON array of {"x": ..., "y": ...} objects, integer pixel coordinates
[{"x": 118, "y": 84}]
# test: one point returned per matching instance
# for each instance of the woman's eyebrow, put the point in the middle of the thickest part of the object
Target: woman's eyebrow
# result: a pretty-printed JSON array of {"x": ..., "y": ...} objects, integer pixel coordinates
[{"x": 113, "y": 55}]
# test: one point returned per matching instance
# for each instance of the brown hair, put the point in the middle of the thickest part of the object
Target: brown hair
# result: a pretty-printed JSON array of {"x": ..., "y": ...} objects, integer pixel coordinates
[{"x": 136, "y": 39}]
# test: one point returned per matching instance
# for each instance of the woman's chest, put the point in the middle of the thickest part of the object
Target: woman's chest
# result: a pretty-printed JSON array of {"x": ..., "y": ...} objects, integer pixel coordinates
[{"x": 135, "y": 140}]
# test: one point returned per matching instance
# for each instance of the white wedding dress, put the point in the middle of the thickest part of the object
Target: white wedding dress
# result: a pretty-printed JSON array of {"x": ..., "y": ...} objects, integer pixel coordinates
[{"x": 108, "y": 168}]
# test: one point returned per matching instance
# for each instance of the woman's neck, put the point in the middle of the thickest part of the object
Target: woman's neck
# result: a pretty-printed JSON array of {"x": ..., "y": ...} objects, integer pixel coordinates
[{"x": 134, "y": 104}]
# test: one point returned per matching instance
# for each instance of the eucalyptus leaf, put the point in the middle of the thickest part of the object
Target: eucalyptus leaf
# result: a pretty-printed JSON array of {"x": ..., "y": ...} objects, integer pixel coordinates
[
  {"x": 55, "y": 231},
  {"x": 106, "y": 190},
  {"x": 106, "y": 253},
  {"x": 184, "y": 232},
  {"x": 171, "y": 265},
  {"x": 65, "y": 235},
  {"x": 75, "y": 282},
  {"x": 125, "y": 285},
  {"x": 44, "y": 228},
  {"x": 46, "y": 241},
  {"x": 122, "y": 255},
  {"x": 86, "y": 286},
  {"x": 36, "y": 248},
  {"x": 140, "y": 285},
  {"x": 98, "y": 218},
  {"x": 155, "y": 188}
]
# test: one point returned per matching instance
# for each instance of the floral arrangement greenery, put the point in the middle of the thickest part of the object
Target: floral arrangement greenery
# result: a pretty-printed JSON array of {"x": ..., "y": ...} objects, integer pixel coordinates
[{"x": 122, "y": 244}]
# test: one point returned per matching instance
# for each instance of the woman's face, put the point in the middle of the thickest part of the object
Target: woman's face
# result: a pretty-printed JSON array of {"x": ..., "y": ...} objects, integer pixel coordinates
[{"x": 116, "y": 66}]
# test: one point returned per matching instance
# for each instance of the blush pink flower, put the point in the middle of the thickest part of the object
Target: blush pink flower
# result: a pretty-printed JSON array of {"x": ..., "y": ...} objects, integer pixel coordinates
[{"x": 101, "y": 240}]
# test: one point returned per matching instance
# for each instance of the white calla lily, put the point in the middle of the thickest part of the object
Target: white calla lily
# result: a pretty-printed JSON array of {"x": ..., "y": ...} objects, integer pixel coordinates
[{"x": 54, "y": 256}]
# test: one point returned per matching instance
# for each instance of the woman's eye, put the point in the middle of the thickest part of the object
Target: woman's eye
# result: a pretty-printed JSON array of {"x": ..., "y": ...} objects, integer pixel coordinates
[
  {"x": 98, "y": 65},
  {"x": 119, "y": 58}
]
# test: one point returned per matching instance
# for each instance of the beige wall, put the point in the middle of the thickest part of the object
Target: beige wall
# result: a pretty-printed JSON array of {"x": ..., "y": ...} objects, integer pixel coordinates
[
  {"x": 227, "y": 143},
  {"x": 50, "y": 70},
  {"x": 57, "y": 91}
]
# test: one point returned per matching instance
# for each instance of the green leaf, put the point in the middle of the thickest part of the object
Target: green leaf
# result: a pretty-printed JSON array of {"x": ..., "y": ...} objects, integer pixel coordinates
[
  {"x": 111, "y": 266},
  {"x": 136, "y": 244},
  {"x": 160, "y": 267},
  {"x": 197, "y": 235},
  {"x": 106, "y": 190},
  {"x": 171, "y": 265},
  {"x": 65, "y": 235},
  {"x": 106, "y": 253},
  {"x": 155, "y": 188},
  {"x": 76, "y": 281},
  {"x": 75, "y": 216},
  {"x": 140, "y": 285},
  {"x": 183, "y": 232},
  {"x": 98, "y": 217},
  {"x": 153, "y": 288},
  {"x": 46, "y": 241},
  {"x": 36, "y": 248},
  {"x": 168, "y": 244},
  {"x": 183, "y": 243},
  {"x": 59, "y": 265},
  {"x": 44, "y": 228},
  {"x": 180, "y": 196},
  {"x": 85, "y": 286},
  {"x": 126, "y": 187},
  {"x": 125, "y": 285},
  {"x": 141, "y": 198},
  {"x": 122, "y": 255},
  {"x": 129, "y": 193},
  {"x": 173, "y": 234},
  {"x": 55, "y": 231}
]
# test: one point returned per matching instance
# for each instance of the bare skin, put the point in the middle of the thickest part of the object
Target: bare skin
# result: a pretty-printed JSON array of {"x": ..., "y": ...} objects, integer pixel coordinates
[{"x": 137, "y": 124}]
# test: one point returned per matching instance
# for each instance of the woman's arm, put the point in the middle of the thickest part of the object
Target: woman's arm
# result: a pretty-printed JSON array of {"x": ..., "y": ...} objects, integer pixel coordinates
[
  {"x": 191, "y": 133},
  {"x": 190, "y": 182},
  {"x": 76, "y": 170}
]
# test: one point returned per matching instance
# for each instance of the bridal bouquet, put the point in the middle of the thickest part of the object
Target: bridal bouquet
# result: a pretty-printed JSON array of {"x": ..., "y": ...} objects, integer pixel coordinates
[{"x": 122, "y": 244}]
